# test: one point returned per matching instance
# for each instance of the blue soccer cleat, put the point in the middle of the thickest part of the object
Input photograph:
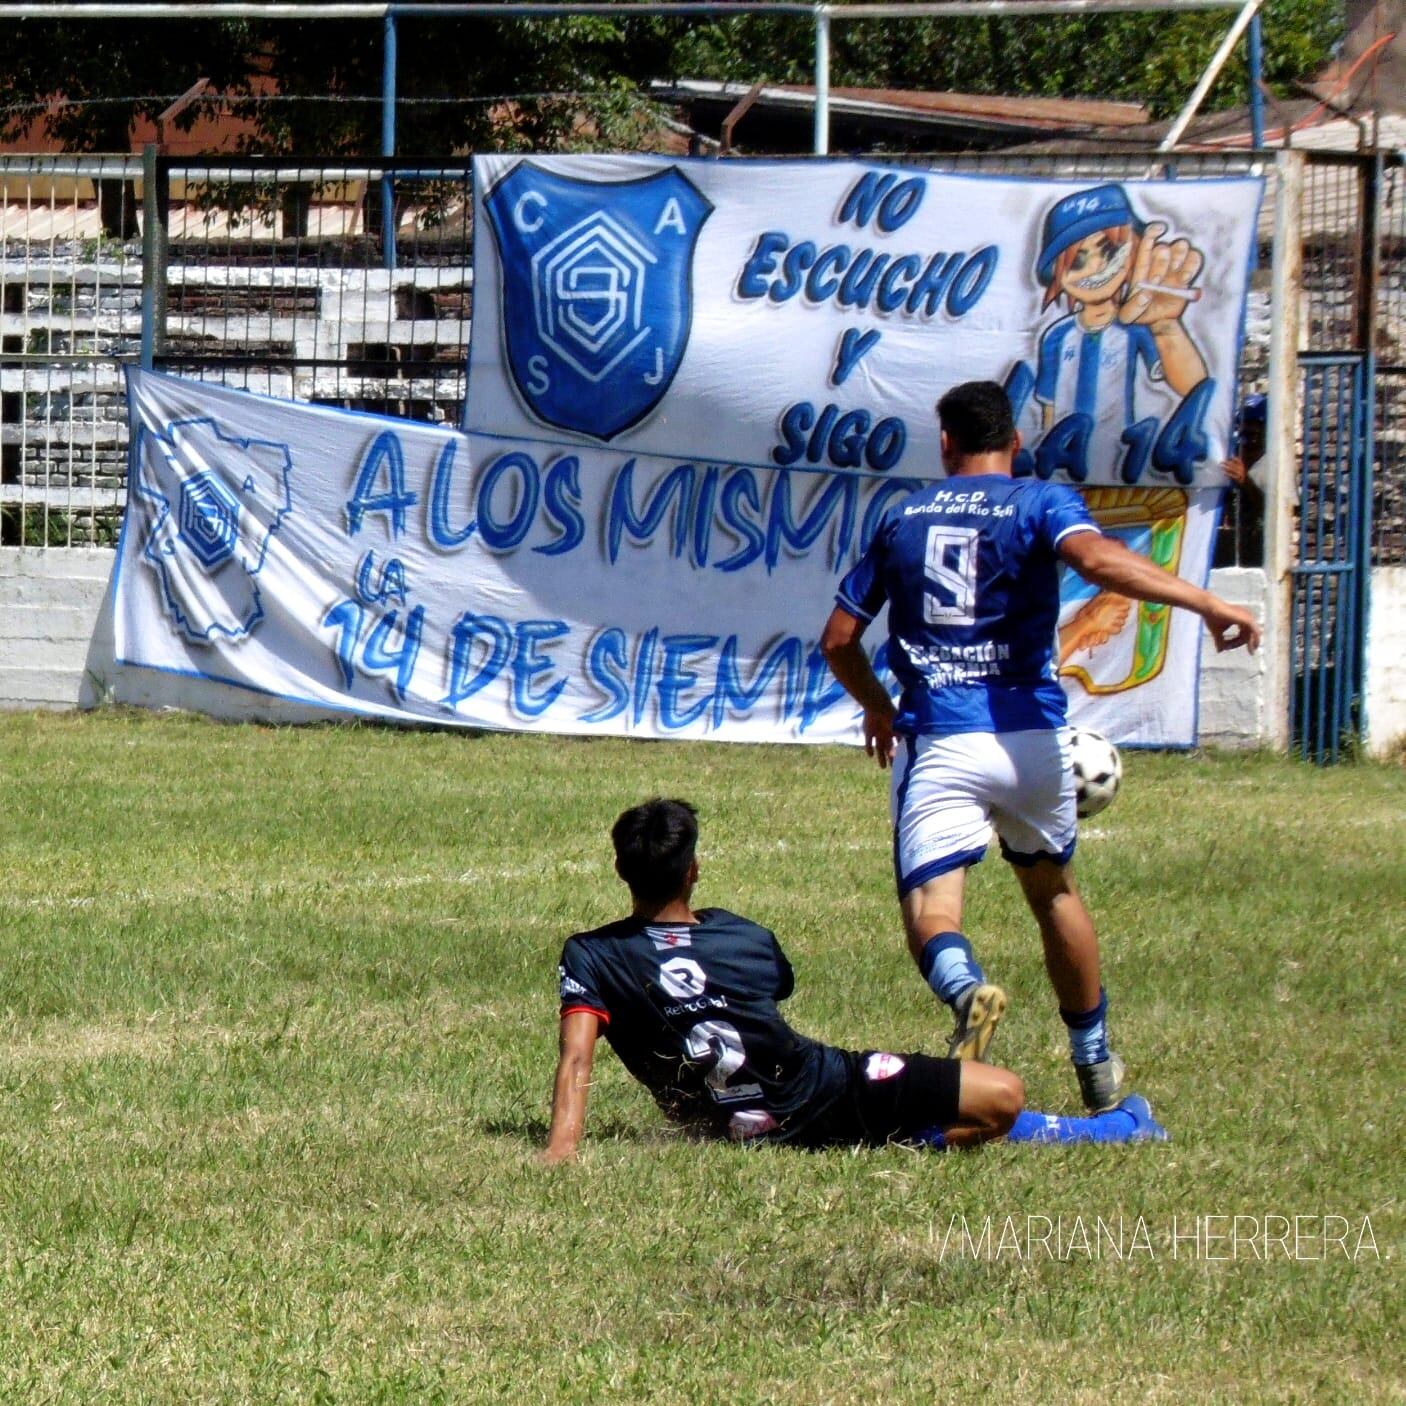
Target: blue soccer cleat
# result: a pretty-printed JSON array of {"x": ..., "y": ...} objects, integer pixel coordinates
[
  {"x": 1129, "y": 1121},
  {"x": 1145, "y": 1127}
]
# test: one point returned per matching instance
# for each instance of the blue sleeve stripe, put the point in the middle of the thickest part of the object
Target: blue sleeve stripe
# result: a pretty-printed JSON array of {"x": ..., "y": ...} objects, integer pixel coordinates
[
  {"x": 1076, "y": 527},
  {"x": 850, "y": 608}
]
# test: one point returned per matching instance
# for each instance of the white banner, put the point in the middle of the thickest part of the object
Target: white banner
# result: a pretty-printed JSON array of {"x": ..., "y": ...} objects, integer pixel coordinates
[
  {"x": 396, "y": 570},
  {"x": 809, "y": 315},
  {"x": 681, "y": 433}
]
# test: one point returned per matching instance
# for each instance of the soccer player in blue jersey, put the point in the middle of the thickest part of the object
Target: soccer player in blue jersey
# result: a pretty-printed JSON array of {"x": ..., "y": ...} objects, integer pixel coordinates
[
  {"x": 687, "y": 998},
  {"x": 969, "y": 570}
]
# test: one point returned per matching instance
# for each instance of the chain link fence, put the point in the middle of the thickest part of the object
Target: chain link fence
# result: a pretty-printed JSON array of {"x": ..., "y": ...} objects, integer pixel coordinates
[
  {"x": 279, "y": 278},
  {"x": 1389, "y": 391},
  {"x": 351, "y": 286},
  {"x": 70, "y": 315}
]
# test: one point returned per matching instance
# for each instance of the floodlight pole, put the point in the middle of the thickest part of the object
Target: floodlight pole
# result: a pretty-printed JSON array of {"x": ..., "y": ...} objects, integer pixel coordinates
[
  {"x": 1193, "y": 103},
  {"x": 388, "y": 63}
]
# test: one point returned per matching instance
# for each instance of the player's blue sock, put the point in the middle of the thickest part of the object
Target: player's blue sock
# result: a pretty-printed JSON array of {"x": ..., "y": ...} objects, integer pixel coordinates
[
  {"x": 1117, "y": 1125},
  {"x": 948, "y": 966},
  {"x": 1088, "y": 1032}
]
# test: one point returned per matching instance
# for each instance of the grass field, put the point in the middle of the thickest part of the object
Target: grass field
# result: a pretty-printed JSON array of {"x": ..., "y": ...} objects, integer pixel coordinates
[{"x": 279, "y": 1026}]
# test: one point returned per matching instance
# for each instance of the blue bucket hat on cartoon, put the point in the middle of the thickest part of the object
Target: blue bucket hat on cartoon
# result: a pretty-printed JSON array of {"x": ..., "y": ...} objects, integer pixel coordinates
[{"x": 1079, "y": 215}]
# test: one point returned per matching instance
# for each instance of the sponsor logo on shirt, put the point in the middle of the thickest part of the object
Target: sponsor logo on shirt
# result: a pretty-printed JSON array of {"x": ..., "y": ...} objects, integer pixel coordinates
[
  {"x": 697, "y": 1007},
  {"x": 879, "y": 1067}
]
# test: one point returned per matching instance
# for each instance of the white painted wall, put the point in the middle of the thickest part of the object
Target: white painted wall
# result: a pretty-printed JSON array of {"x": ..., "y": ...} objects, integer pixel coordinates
[
  {"x": 56, "y": 645},
  {"x": 1232, "y": 711},
  {"x": 50, "y": 602},
  {"x": 56, "y": 651},
  {"x": 1386, "y": 660}
]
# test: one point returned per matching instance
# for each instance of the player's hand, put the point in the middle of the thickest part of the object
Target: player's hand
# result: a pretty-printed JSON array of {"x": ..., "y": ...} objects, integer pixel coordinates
[
  {"x": 1236, "y": 471},
  {"x": 1231, "y": 627},
  {"x": 878, "y": 738},
  {"x": 1159, "y": 287}
]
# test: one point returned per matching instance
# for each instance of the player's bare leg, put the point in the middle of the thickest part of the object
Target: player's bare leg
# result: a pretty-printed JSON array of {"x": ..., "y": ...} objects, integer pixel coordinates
[
  {"x": 1067, "y": 931},
  {"x": 1072, "y": 961},
  {"x": 987, "y": 1106},
  {"x": 933, "y": 907},
  {"x": 991, "y": 1104},
  {"x": 932, "y": 920}
]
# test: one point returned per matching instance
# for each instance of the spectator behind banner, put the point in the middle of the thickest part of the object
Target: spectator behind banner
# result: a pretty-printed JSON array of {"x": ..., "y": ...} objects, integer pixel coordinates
[{"x": 1240, "y": 541}]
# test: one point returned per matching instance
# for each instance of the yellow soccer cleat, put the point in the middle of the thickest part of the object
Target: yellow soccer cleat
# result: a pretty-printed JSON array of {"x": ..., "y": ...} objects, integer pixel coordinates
[{"x": 977, "y": 1018}]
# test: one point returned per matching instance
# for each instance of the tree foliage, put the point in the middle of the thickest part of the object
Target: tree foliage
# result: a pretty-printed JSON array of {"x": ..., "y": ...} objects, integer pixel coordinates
[
  {"x": 1150, "y": 58},
  {"x": 574, "y": 82}
]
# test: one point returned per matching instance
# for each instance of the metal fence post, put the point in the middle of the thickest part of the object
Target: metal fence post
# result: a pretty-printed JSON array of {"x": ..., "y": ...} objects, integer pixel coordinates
[
  {"x": 388, "y": 64},
  {"x": 1281, "y": 444},
  {"x": 1365, "y": 486},
  {"x": 153, "y": 255},
  {"x": 1254, "y": 46},
  {"x": 822, "y": 81}
]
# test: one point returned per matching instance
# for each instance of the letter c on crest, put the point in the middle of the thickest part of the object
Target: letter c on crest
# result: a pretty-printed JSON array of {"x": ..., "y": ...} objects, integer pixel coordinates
[{"x": 519, "y": 211}]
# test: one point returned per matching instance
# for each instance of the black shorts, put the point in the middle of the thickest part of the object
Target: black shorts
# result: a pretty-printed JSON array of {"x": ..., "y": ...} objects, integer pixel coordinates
[{"x": 888, "y": 1098}]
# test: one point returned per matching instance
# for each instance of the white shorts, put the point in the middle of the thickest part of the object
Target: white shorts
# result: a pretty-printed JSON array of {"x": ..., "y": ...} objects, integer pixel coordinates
[{"x": 949, "y": 792}]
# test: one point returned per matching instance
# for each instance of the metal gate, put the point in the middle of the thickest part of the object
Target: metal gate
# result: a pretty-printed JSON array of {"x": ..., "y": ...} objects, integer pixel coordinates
[
  {"x": 1329, "y": 579},
  {"x": 1346, "y": 303}
]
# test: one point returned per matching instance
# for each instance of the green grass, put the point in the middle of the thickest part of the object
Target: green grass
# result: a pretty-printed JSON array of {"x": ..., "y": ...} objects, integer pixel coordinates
[{"x": 278, "y": 1026}]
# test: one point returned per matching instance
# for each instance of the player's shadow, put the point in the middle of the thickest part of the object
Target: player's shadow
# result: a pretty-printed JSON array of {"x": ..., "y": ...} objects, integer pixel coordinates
[
  {"x": 534, "y": 1129},
  {"x": 531, "y": 1129}
]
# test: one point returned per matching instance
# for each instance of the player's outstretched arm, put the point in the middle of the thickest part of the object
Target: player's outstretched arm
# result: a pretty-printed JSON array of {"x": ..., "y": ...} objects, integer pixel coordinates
[
  {"x": 1108, "y": 563},
  {"x": 579, "y": 1030},
  {"x": 840, "y": 644}
]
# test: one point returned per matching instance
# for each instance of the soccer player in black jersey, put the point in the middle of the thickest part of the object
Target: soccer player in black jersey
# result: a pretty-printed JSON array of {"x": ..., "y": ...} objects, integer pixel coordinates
[{"x": 688, "y": 1000}]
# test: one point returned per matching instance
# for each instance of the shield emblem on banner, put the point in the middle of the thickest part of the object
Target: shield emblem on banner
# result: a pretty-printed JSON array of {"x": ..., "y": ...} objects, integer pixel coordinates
[{"x": 597, "y": 286}]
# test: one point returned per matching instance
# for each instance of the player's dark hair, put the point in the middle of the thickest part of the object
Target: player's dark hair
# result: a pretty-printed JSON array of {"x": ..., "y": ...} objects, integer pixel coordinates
[
  {"x": 977, "y": 417},
  {"x": 654, "y": 845}
]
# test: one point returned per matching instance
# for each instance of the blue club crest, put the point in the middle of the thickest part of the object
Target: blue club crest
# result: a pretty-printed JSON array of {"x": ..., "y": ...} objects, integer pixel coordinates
[{"x": 597, "y": 291}]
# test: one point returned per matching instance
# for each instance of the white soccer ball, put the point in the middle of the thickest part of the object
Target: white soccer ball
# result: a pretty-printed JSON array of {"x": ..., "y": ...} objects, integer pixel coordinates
[{"x": 1098, "y": 771}]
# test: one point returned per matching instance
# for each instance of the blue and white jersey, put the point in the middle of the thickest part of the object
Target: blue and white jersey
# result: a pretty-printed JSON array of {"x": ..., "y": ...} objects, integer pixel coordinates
[
  {"x": 1095, "y": 373},
  {"x": 969, "y": 569}
]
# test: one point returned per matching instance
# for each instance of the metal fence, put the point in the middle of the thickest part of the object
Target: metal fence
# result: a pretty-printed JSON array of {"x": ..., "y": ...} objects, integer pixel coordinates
[
  {"x": 70, "y": 315},
  {"x": 1388, "y": 348},
  {"x": 1351, "y": 470},
  {"x": 278, "y": 277}
]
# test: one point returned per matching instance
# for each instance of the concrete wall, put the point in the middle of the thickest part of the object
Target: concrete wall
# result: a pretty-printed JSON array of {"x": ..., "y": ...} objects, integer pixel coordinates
[
  {"x": 1233, "y": 708},
  {"x": 1386, "y": 660},
  {"x": 50, "y": 604},
  {"x": 56, "y": 645},
  {"x": 56, "y": 651}
]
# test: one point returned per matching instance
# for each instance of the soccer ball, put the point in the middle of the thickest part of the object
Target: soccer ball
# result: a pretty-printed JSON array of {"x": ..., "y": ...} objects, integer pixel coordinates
[{"x": 1098, "y": 770}]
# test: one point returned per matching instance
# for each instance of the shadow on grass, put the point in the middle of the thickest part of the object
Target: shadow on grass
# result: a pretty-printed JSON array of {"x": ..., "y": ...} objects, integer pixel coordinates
[{"x": 535, "y": 1128}]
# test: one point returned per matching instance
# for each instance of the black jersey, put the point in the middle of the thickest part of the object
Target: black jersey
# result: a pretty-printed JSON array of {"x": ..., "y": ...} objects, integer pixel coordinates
[{"x": 691, "y": 1010}]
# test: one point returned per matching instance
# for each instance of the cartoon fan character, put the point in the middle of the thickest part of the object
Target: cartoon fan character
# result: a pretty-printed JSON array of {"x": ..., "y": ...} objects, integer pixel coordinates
[{"x": 1126, "y": 289}]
